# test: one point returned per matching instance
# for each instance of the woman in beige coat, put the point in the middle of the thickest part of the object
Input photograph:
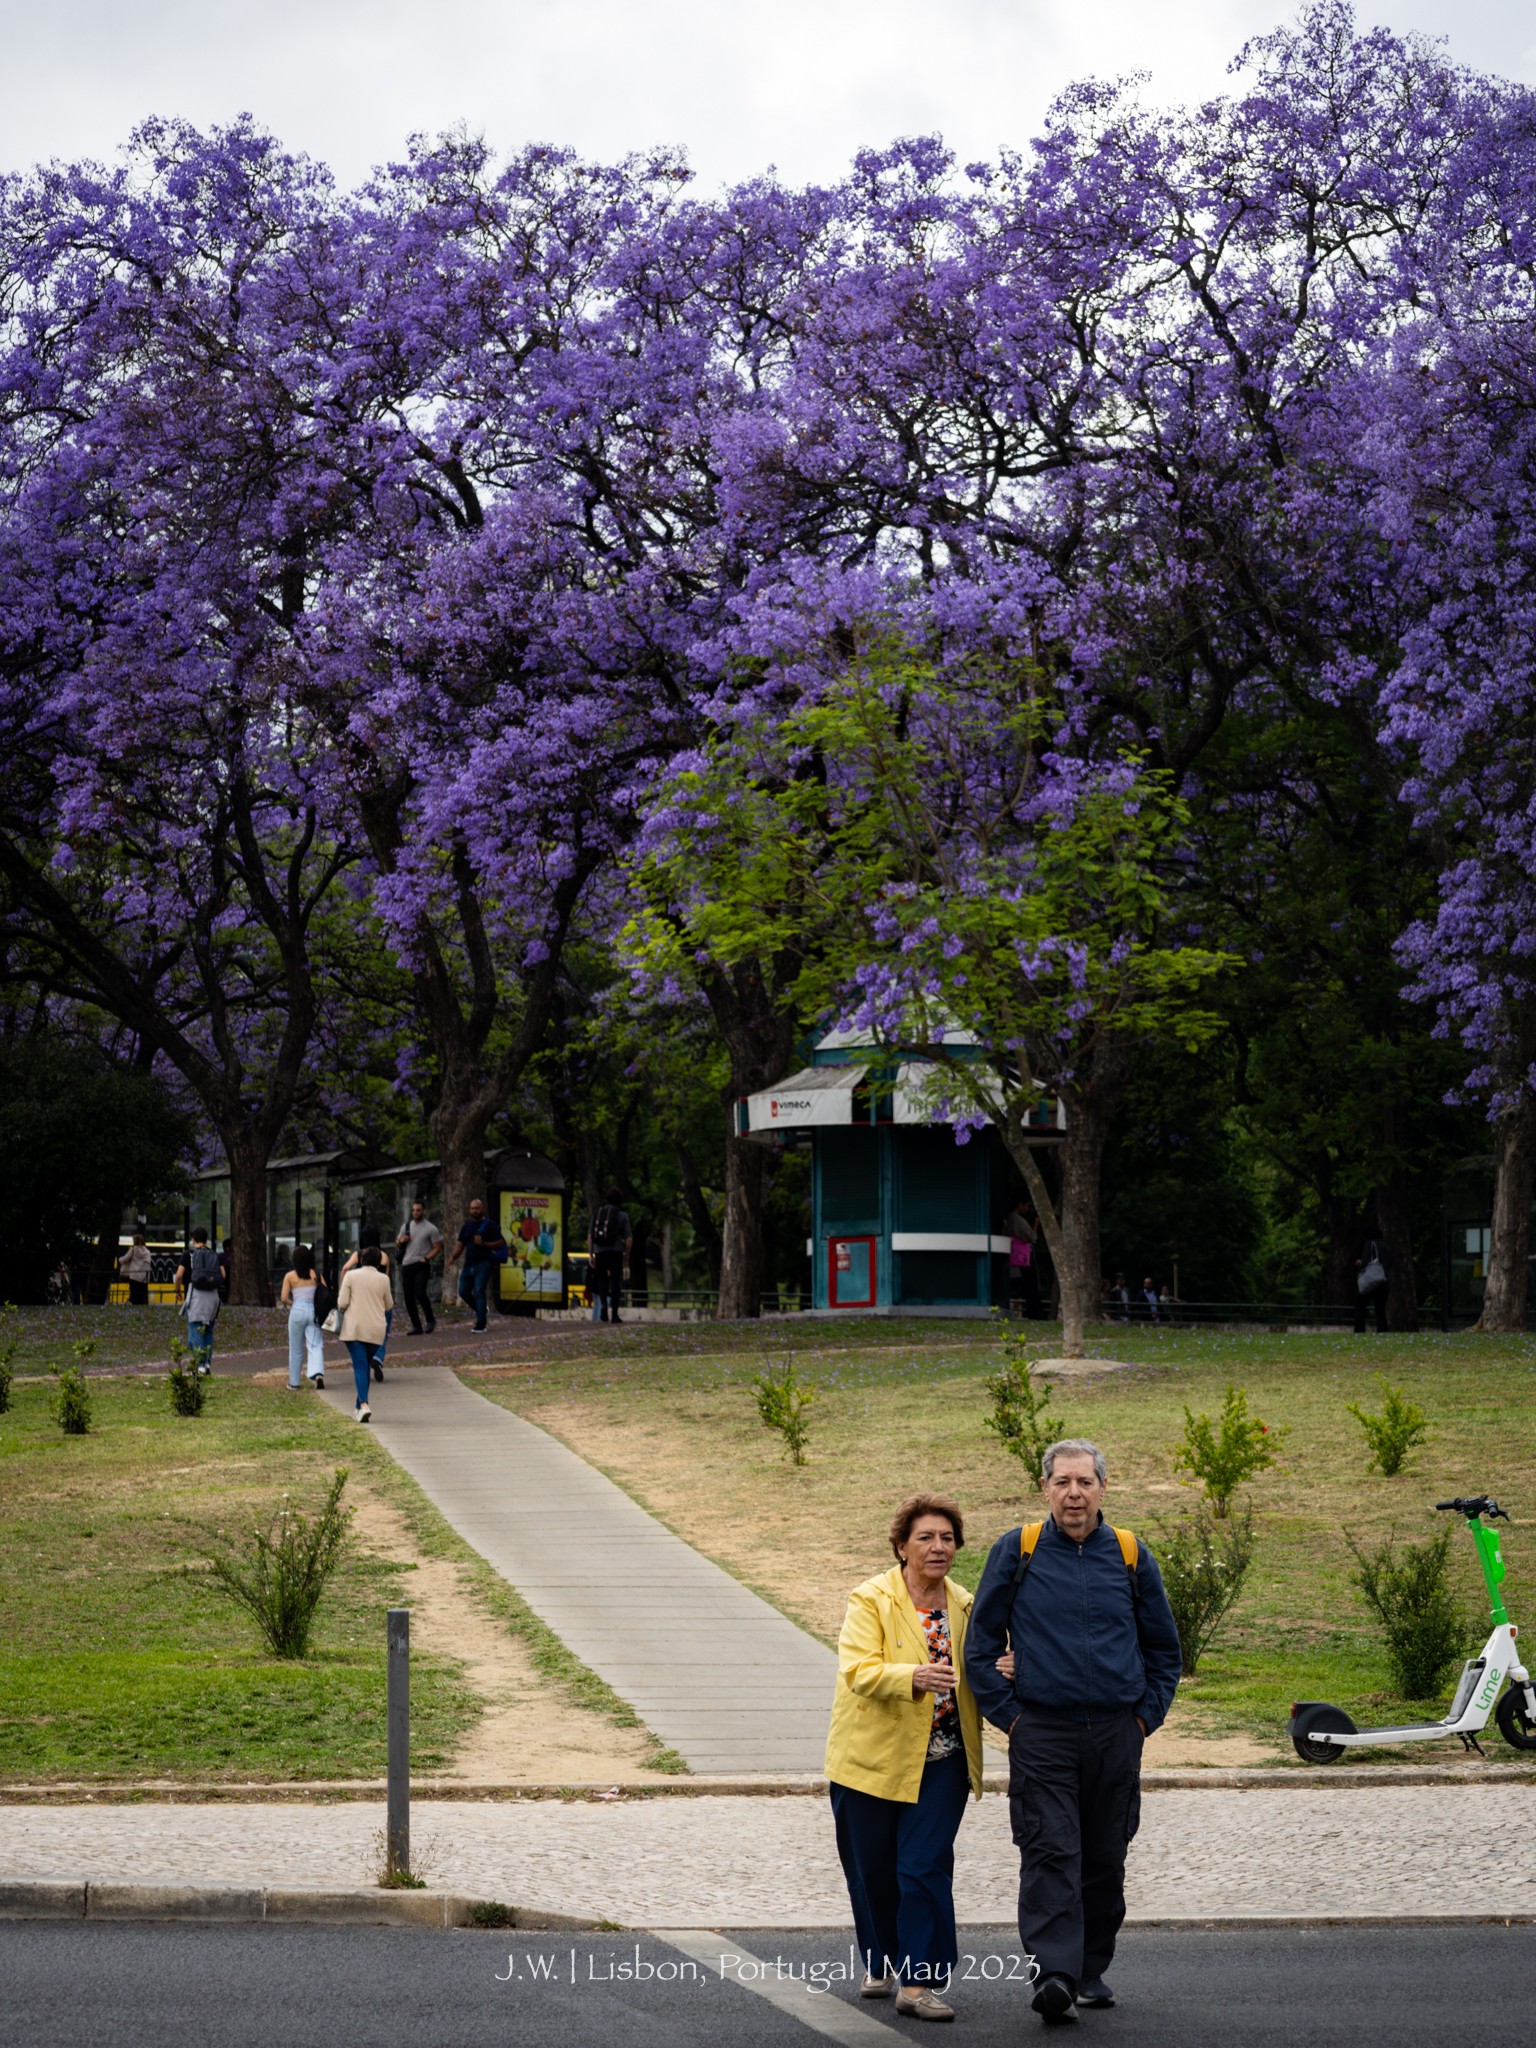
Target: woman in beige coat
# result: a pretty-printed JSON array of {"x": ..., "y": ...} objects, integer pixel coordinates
[{"x": 364, "y": 1301}]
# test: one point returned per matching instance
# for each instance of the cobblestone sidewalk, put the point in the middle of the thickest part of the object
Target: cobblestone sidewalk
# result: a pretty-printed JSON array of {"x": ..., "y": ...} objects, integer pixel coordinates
[{"x": 770, "y": 1862}]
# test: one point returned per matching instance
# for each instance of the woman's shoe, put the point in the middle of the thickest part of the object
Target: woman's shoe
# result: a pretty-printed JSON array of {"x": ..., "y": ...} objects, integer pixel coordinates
[
  {"x": 917, "y": 2002},
  {"x": 877, "y": 1987},
  {"x": 365, "y": 1413},
  {"x": 377, "y": 1369},
  {"x": 319, "y": 1381}
]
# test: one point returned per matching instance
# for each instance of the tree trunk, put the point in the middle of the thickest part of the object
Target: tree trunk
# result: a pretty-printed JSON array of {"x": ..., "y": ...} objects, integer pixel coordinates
[
  {"x": 699, "y": 1215},
  {"x": 640, "y": 1261},
  {"x": 1091, "y": 1099},
  {"x": 1340, "y": 1269},
  {"x": 460, "y": 1135},
  {"x": 1514, "y": 1172},
  {"x": 250, "y": 1269},
  {"x": 1397, "y": 1243},
  {"x": 98, "y": 1282},
  {"x": 741, "y": 1252}
]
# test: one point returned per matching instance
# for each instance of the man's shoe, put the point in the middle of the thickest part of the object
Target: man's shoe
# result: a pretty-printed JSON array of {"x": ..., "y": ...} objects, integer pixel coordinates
[
  {"x": 479, "y": 1329},
  {"x": 430, "y": 1328},
  {"x": 917, "y": 2002},
  {"x": 877, "y": 1987},
  {"x": 1094, "y": 1991},
  {"x": 1053, "y": 2000}
]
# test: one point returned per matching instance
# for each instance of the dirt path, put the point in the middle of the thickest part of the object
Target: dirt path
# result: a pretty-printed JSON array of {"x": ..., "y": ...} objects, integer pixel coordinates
[{"x": 527, "y": 1734}]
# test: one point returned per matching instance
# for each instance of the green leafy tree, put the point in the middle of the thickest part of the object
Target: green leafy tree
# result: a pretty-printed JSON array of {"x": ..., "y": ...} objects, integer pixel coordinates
[
  {"x": 895, "y": 846},
  {"x": 1022, "y": 1419},
  {"x": 1393, "y": 1432}
]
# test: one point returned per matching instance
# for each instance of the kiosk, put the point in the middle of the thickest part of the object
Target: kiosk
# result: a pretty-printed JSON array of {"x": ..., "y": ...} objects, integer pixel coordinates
[{"x": 904, "y": 1218}]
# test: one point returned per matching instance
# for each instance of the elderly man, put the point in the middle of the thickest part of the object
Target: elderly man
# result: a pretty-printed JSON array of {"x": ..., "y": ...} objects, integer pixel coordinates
[{"x": 1094, "y": 1666}]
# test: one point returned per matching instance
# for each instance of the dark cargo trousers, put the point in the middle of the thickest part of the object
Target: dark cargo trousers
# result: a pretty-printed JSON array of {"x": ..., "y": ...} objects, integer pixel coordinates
[{"x": 1074, "y": 1797}]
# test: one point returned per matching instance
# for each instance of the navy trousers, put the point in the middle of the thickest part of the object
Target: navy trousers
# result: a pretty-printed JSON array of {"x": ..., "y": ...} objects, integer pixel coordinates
[
  {"x": 1074, "y": 1798},
  {"x": 899, "y": 1861}
]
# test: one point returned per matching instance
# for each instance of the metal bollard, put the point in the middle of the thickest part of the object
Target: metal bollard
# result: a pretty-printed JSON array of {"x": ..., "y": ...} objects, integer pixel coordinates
[{"x": 398, "y": 1636}]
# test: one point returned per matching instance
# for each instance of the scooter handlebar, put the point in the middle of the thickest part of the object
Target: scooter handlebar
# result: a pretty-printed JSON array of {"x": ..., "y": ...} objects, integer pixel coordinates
[{"x": 1478, "y": 1504}]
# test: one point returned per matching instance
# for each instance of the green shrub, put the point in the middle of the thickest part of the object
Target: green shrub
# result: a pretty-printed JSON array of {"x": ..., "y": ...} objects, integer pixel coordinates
[
  {"x": 1204, "y": 1565},
  {"x": 1393, "y": 1433},
  {"x": 1021, "y": 1417},
  {"x": 492, "y": 1913},
  {"x": 1409, "y": 1592},
  {"x": 1222, "y": 1455},
  {"x": 782, "y": 1400},
  {"x": 287, "y": 1570},
  {"x": 188, "y": 1388},
  {"x": 72, "y": 1401}
]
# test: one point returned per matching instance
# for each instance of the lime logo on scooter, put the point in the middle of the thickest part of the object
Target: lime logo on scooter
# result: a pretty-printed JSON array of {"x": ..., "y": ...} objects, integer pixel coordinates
[{"x": 1321, "y": 1732}]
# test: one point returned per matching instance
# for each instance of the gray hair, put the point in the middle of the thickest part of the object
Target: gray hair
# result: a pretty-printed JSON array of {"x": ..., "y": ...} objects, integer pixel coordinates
[{"x": 1074, "y": 1446}]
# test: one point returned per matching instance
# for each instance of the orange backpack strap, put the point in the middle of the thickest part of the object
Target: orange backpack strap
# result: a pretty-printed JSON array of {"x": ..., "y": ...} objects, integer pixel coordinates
[
  {"x": 1130, "y": 1554},
  {"x": 1029, "y": 1536},
  {"x": 1129, "y": 1548}
]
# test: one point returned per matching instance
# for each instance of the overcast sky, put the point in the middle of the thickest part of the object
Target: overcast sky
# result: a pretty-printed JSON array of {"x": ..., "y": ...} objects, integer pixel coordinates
[{"x": 797, "y": 83}]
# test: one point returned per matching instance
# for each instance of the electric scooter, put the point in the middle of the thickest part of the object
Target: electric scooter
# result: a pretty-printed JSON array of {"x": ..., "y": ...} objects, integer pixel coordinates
[{"x": 1321, "y": 1733}]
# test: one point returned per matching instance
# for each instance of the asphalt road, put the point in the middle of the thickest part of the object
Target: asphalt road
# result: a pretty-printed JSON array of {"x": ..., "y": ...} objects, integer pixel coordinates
[{"x": 68, "y": 1986}]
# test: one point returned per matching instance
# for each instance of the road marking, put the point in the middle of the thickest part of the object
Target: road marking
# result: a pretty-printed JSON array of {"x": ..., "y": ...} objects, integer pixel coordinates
[{"x": 822, "y": 2011}]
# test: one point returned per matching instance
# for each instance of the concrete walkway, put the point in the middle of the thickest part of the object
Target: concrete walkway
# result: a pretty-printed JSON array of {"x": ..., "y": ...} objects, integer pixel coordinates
[{"x": 715, "y": 1672}]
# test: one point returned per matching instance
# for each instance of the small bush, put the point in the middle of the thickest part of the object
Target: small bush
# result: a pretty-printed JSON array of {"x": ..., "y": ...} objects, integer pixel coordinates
[
  {"x": 492, "y": 1913},
  {"x": 1204, "y": 1565},
  {"x": 187, "y": 1386},
  {"x": 1409, "y": 1592},
  {"x": 782, "y": 1400},
  {"x": 1393, "y": 1433},
  {"x": 1222, "y": 1455},
  {"x": 1021, "y": 1417},
  {"x": 72, "y": 1401},
  {"x": 287, "y": 1571}
]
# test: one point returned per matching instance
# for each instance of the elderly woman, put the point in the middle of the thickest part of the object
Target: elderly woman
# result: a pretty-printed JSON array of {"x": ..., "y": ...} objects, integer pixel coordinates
[
  {"x": 364, "y": 1300},
  {"x": 903, "y": 1752}
]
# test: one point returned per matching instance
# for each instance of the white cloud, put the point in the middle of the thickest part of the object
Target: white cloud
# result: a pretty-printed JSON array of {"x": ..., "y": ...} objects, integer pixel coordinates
[{"x": 802, "y": 84}]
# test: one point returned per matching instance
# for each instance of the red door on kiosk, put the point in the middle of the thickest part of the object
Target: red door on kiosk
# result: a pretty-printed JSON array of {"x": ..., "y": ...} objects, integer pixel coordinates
[{"x": 851, "y": 1272}]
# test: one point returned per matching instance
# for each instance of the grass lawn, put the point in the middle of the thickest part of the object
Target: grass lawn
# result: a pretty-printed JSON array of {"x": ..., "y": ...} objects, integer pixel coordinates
[
  {"x": 119, "y": 1336},
  {"x": 668, "y": 1412},
  {"x": 114, "y": 1665}
]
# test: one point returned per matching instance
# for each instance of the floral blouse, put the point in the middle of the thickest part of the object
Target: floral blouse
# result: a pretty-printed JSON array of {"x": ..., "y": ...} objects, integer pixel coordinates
[{"x": 944, "y": 1738}]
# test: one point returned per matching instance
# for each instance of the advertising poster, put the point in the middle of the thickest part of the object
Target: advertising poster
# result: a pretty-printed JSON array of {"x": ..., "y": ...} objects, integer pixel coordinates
[{"x": 533, "y": 1225}]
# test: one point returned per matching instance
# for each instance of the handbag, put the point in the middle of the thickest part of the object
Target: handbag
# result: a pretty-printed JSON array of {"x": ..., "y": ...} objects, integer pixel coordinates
[
  {"x": 1373, "y": 1273},
  {"x": 332, "y": 1323},
  {"x": 325, "y": 1303}
]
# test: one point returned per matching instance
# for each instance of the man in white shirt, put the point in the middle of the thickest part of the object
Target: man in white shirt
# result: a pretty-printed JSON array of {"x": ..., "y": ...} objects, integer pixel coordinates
[{"x": 419, "y": 1243}]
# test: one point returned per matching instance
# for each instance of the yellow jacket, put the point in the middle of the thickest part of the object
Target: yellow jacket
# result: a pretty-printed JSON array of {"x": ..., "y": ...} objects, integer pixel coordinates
[{"x": 878, "y": 1741}]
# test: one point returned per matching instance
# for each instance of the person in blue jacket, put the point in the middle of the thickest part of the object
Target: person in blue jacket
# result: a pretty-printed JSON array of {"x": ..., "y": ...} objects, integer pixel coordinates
[{"x": 1093, "y": 1668}]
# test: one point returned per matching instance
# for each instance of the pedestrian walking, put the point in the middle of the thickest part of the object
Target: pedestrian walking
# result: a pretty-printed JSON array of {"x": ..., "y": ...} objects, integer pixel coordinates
[
  {"x": 483, "y": 1249},
  {"x": 306, "y": 1339},
  {"x": 368, "y": 1240},
  {"x": 363, "y": 1299},
  {"x": 135, "y": 1266},
  {"x": 198, "y": 1279},
  {"x": 1093, "y": 1669},
  {"x": 419, "y": 1243},
  {"x": 1371, "y": 1287},
  {"x": 903, "y": 1751},
  {"x": 609, "y": 1241}
]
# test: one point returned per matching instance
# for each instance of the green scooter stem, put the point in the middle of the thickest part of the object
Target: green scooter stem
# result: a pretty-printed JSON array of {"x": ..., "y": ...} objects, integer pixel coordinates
[{"x": 1487, "y": 1541}]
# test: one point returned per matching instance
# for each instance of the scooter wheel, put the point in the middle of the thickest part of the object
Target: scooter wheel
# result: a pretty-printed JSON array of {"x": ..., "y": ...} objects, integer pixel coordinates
[
  {"x": 1515, "y": 1724},
  {"x": 1311, "y": 1718}
]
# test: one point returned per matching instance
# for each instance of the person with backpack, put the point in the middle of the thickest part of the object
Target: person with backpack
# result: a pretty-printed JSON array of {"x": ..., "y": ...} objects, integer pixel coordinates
[
  {"x": 609, "y": 1241},
  {"x": 199, "y": 1279},
  {"x": 1093, "y": 1668}
]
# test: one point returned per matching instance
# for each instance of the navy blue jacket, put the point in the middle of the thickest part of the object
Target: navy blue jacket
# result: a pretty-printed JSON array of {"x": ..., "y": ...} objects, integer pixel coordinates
[{"x": 1082, "y": 1648}]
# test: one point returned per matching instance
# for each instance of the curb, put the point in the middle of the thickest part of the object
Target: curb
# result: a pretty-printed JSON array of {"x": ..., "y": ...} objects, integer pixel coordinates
[
  {"x": 282, "y": 1905},
  {"x": 230, "y": 1905},
  {"x": 767, "y": 1785}
]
